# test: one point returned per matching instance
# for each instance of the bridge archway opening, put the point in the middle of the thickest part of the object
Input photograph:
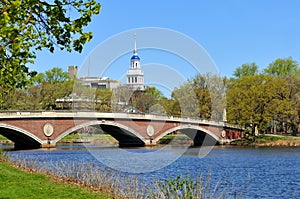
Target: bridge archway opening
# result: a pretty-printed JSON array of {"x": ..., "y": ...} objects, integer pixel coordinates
[
  {"x": 197, "y": 135},
  {"x": 200, "y": 138},
  {"x": 92, "y": 133},
  {"x": 124, "y": 135},
  {"x": 21, "y": 138}
]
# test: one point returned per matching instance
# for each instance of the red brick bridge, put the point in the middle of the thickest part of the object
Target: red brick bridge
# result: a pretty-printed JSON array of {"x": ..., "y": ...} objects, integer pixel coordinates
[{"x": 34, "y": 129}]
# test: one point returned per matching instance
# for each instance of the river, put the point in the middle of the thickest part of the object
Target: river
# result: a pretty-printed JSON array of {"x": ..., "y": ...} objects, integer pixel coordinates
[{"x": 260, "y": 172}]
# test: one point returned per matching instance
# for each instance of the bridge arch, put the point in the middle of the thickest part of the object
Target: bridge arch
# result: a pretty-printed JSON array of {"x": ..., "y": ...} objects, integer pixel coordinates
[
  {"x": 22, "y": 138},
  {"x": 125, "y": 135},
  {"x": 192, "y": 131}
]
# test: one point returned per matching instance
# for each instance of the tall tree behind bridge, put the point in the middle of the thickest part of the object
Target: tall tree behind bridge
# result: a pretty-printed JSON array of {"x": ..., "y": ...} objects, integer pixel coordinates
[
  {"x": 288, "y": 70},
  {"x": 203, "y": 97},
  {"x": 269, "y": 101},
  {"x": 47, "y": 87}
]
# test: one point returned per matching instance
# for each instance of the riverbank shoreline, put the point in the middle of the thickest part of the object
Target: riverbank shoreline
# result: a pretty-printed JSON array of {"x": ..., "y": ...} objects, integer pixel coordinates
[
  {"x": 19, "y": 182},
  {"x": 268, "y": 140}
]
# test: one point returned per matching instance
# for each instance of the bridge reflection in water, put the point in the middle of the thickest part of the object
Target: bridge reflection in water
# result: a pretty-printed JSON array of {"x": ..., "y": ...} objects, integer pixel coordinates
[{"x": 35, "y": 129}]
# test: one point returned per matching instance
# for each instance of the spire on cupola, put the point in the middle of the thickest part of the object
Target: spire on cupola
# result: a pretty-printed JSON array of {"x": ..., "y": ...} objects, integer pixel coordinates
[
  {"x": 135, "y": 54},
  {"x": 135, "y": 50}
]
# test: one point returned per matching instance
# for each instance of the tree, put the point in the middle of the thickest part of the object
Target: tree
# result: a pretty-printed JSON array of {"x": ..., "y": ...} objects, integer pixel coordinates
[
  {"x": 121, "y": 98},
  {"x": 288, "y": 70},
  {"x": 56, "y": 75},
  {"x": 258, "y": 101},
  {"x": 147, "y": 100},
  {"x": 171, "y": 106},
  {"x": 103, "y": 99},
  {"x": 185, "y": 100},
  {"x": 52, "y": 91},
  {"x": 245, "y": 70},
  {"x": 217, "y": 92},
  {"x": 32, "y": 25},
  {"x": 203, "y": 96},
  {"x": 38, "y": 79},
  {"x": 283, "y": 67}
]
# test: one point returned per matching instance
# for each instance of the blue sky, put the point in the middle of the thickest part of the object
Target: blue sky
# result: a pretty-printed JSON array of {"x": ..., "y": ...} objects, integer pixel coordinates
[{"x": 232, "y": 32}]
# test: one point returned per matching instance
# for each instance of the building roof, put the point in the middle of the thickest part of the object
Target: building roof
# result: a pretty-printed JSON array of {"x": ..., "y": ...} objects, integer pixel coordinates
[{"x": 135, "y": 57}]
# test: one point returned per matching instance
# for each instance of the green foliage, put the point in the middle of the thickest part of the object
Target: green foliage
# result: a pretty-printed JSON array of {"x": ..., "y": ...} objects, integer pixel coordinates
[
  {"x": 260, "y": 101},
  {"x": 2, "y": 137},
  {"x": 185, "y": 188},
  {"x": 274, "y": 138},
  {"x": 264, "y": 138},
  {"x": 32, "y": 25},
  {"x": 56, "y": 75},
  {"x": 283, "y": 67},
  {"x": 42, "y": 94},
  {"x": 144, "y": 101},
  {"x": 3, "y": 156},
  {"x": 245, "y": 70},
  {"x": 186, "y": 101},
  {"x": 171, "y": 106},
  {"x": 104, "y": 100},
  {"x": 203, "y": 96},
  {"x": 269, "y": 101}
]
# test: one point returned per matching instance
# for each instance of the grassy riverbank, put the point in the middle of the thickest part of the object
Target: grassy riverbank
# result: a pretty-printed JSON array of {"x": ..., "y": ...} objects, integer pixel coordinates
[
  {"x": 4, "y": 140},
  {"x": 32, "y": 179},
  {"x": 17, "y": 183},
  {"x": 21, "y": 178},
  {"x": 269, "y": 140},
  {"x": 89, "y": 138},
  {"x": 176, "y": 139}
]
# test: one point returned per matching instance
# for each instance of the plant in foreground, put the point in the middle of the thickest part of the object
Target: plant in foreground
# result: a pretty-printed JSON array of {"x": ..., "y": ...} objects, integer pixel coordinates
[{"x": 183, "y": 188}]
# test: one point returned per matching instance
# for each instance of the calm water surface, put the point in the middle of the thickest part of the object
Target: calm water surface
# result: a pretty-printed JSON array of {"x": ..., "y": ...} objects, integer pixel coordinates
[{"x": 255, "y": 172}]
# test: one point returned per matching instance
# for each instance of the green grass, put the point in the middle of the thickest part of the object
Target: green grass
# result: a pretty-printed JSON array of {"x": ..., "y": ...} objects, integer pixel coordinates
[
  {"x": 86, "y": 136},
  {"x": 168, "y": 138},
  {"x": 70, "y": 137},
  {"x": 15, "y": 183},
  {"x": 2, "y": 137},
  {"x": 274, "y": 138},
  {"x": 269, "y": 140}
]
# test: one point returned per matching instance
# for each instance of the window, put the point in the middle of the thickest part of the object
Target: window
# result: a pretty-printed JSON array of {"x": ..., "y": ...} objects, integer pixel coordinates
[
  {"x": 135, "y": 79},
  {"x": 136, "y": 65},
  {"x": 128, "y": 79}
]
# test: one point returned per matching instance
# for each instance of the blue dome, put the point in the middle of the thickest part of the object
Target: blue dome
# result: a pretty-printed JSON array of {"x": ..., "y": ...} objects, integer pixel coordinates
[{"x": 135, "y": 57}]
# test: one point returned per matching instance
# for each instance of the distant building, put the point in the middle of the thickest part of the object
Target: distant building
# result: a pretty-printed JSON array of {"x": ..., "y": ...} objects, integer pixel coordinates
[
  {"x": 94, "y": 82},
  {"x": 97, "y": 82},
  {"x": 135, "y": 75},
  {"x": 73, "y": 70}
]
